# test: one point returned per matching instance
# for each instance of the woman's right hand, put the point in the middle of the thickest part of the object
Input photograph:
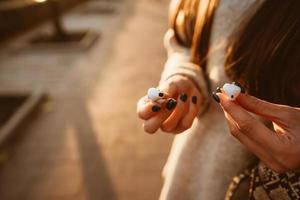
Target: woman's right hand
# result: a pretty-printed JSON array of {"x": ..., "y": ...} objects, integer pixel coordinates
[
  {"x": 177, "y": 112},
  {"x": 278, "y": 149}
]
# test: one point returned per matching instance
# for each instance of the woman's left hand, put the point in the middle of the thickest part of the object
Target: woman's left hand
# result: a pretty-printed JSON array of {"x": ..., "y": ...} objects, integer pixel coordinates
[{"x": 278, "y": 149}]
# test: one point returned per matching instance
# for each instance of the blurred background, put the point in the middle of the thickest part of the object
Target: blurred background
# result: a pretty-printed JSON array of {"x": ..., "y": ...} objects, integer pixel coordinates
[{"x": 71, "y": 72}]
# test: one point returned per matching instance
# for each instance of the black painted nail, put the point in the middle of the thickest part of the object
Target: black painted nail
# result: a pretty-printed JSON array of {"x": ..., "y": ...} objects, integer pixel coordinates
[
  {"x": 242, "y": 88},
  {"x": 194, "y": 100},
  {"x": 161, "y": 94},
  {"x": 216, "y": 97},
  {"x": 155, "y": 108},
  {"x": 218, "y": 90},
  {"x": 171, "y": 104},
  {"x": 183, "y": 97}
]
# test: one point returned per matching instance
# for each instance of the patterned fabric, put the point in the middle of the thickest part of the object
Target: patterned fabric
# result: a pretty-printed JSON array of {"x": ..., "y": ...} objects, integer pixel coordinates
[{"x": 265, "y": 184}]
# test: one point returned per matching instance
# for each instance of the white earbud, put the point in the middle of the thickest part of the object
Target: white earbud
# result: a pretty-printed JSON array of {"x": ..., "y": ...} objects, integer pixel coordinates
[
  {"x": 231, "y": 90},
  {"x": 155, "y": 94}
]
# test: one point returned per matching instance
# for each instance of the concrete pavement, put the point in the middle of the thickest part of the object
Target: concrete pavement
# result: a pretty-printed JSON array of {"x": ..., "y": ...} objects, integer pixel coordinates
[{"x": 87, "y": 143}]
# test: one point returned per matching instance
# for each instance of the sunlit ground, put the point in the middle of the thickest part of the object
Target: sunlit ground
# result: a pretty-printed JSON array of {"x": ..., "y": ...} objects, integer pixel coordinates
[{"x": 86, "y": 142}]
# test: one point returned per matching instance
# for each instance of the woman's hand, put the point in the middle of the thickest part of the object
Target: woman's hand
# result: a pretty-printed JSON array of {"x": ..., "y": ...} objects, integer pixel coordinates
[
  {"x": 279, "y": 149},
  {"x": 171, "y": 116}
]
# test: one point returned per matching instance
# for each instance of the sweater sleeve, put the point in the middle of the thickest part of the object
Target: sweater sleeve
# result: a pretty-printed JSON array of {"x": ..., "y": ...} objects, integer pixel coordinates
[{"x": 178, "y": 63}]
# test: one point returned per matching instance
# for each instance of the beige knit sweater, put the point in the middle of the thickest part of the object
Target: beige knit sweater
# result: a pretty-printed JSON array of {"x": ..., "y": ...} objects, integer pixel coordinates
[{"x": 204, "y": 159}]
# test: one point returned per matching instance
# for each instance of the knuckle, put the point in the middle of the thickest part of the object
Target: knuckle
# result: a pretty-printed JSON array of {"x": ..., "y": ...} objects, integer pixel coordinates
[{"x": 246, "y": 126}]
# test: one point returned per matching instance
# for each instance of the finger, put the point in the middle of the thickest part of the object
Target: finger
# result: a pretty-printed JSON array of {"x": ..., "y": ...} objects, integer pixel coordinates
[
  {"x": 173, "y": 120},
  {"x": 247, "y": 124},
  {"x": 269, "y": 110},
  {"x": 257, "y": 149},
  {"x": 152, "y": 125},
  {"x": 194, "y": 106},
  {"x": 147, "y": 108}
]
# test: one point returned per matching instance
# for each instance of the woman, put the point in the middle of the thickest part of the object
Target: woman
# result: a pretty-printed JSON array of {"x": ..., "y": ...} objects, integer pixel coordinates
[{"x": 256, "y": 43}]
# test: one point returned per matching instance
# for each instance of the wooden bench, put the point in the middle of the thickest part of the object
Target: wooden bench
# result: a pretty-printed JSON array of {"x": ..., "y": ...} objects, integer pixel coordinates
[
  {"x": 6, "y": 6},
  {"x": 16, "y": 15},
  {"x": 52, "y": 5}
]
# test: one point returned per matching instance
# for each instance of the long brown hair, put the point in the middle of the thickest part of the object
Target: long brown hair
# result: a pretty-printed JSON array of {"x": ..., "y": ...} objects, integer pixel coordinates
[
  {"x": 192, "y": 23},
  {"x": 264, "y": 52}
]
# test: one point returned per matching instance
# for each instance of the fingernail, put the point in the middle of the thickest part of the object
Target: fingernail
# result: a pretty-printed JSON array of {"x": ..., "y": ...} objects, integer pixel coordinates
[
  {"x": 171, "y": 104},
  {"x": 155, "y": 108},
  {"x": 194, "y": 100},
  {"x": 218, "y": 90},
  {"x": 216, "y": 97},
  {"x": 242, "y": 88},
  {"x": 183, "y": 97}
]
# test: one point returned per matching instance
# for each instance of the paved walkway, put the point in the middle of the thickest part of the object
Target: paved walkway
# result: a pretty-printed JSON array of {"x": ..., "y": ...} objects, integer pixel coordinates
[{"x": 87, "y": 142}]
